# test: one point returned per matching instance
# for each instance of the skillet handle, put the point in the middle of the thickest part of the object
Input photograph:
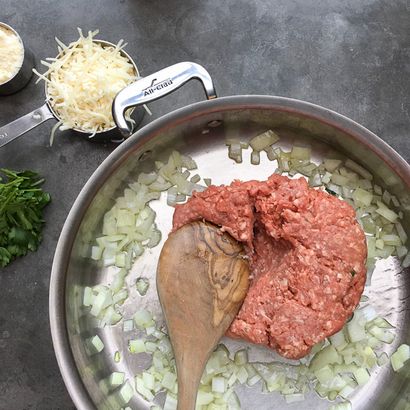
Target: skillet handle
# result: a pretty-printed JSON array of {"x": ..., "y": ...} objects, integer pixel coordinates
[{"x": 157, "y": 85}]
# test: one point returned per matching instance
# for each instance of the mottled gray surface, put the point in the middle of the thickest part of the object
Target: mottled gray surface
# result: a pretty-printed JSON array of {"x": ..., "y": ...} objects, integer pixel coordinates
[{"x": 352, "y": 56}]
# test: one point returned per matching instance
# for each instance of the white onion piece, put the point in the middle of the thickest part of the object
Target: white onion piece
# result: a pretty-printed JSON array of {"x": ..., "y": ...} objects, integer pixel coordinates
[
  {"x": 128, "y": 325},
  {"x": 170, "y": 402},
  {"x": 341, "y": 406},
  {"x": 255, "y": 158},
  {"x": 359, "y": 169},
  {"x": 147, "y": 179},
  {"x": 400, "y": 356},
  {"x": 406, "y": 261},
  {"x": 264, "y": 140},
  {"x": 196, "y": 178},
  {"x": 136, "y": 346},
  {"x": 116, "y": 379},
  {"x": 126, "y": 393},
  {"x": 235, "y": 152},
  {"x": 88, "y": 296},
  {"x": 302, "y": 153},
  {"x": 142, "y": 390},
  {"x": 331, "y": 164},
  {"x": 315, "y": 180},
  {"x": 142, "y": 285},
  {"x": 187, "y": 162},
  {"x": 340, "y": 180},
  {"x": 271, "y": 153},
  {"x": 94, "y": 345},
  {"x": 293, "y": 398},
  {"x": 143, "y": 318}
]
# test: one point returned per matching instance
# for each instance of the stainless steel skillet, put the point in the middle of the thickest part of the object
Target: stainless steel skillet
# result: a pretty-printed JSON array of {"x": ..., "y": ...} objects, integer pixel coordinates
[{"x": 200, "y": 130}]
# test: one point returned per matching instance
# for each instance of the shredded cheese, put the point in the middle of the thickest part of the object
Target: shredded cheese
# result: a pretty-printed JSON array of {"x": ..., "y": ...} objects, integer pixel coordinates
[
  {"x": 83, "y": 81},
  {"x": 11, "y": 54}
]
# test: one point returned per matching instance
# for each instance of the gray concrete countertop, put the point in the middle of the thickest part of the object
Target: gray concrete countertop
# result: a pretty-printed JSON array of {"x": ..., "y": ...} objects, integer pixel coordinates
[{"x": 351, "y": 56}]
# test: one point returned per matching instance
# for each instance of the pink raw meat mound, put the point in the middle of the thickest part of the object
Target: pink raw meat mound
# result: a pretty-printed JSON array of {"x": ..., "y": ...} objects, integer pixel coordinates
[{"x": 307, "y": 255}]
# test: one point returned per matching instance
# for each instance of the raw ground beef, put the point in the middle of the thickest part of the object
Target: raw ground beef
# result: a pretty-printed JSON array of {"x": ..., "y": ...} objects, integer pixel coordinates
[{"x": 307, "y": 256}]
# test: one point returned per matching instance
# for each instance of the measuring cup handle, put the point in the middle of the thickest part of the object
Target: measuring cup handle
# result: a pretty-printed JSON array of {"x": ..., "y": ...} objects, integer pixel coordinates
[
  {"x": 156, "y": 86},
  {"x": 23, "y": 124}
]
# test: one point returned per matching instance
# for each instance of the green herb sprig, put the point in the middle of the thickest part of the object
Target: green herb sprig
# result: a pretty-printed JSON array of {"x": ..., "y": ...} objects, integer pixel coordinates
[{"x": 21, "y": 205}]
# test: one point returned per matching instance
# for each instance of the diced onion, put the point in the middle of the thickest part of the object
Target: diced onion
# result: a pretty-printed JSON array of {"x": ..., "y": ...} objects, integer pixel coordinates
[
  {"x": 142, "y": 285},
  {"x": 386, "y": 213},
  {"x": 400, "y": 356},
  {"x": 362, "y": 376},
  {"x": 196, "y": 178},
  {"x": 255, "y": 158},
  {"x": 295, "y": 397},
  {"x": 271, "y": 153},
  {"x": 147, "y": 179},
  {"x": 125, "y": 393},
  {"x": 315, "y": 180},
  {"x": 346, "y": 391},
  {"x": 116, "y": 379},
  {"x": 401, "y": 232},
  {"x": 170, "y": 402},
  {"x": 95, "y": 344},
  {"x": 235, "y": 152},
  {"x": 169, "y": 380},
  {"x": 340, "y": 180},
  {"x": 136, "y": 346},
  {"x": 88, "y": 296},
  {"x": 241, "y": 357},
  {"x": 406, "y": 261},
  {"x": 341, "y": 406},
  {"x": 188, "y": 163},
  {"x": 383, "y": 335},
  {"x": 302, "y": 153},
  {"x": 362, "y": 197},
  {"x": 338, "y": 340},
  {"x": 262, "y": 141},
  {"x": 101, "y": 301},
  {"x": 128, "y": 325},
  {"x": 324, "y": 374},
  {"x": 331, "y": 164},
  {"x": 328, "y": 355},
  {"x": 142, "y": 318},
  {"x": 218, "y": 384},
  {"x": 142, "y": 390},
  {"x": 359, "y": 169}
]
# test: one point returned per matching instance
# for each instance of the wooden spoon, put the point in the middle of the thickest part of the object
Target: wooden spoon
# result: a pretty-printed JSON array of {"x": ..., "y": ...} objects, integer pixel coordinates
[{"x": 202, "y": 279}]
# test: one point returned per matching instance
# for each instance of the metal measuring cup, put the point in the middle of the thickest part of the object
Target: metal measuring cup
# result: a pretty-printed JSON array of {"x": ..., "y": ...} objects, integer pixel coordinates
[
  {"x": 24, "y": 73},
  {"x": 21, "y": 125}
]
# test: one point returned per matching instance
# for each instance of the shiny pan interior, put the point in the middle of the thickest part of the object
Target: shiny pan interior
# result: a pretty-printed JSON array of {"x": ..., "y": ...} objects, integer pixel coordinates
[{"x": 200, "y": 130}]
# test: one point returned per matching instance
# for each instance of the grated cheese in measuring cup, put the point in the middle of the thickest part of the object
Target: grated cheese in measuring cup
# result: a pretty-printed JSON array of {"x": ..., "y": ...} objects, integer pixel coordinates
[
  {"x": 83, "y": 81},
  {"x": 11, "y": 54}
]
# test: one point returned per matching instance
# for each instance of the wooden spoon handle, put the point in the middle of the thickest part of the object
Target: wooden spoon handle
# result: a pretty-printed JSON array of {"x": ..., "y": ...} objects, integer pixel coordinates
[{"x": 190, "y": 369}]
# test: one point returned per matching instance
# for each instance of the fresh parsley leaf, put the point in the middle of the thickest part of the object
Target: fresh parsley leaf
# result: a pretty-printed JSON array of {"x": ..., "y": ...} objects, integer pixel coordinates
[{"x": 21, "y": 205}]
